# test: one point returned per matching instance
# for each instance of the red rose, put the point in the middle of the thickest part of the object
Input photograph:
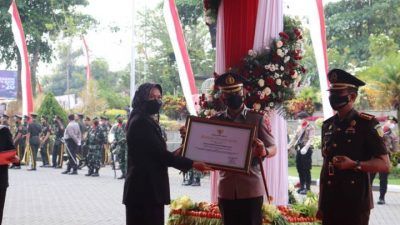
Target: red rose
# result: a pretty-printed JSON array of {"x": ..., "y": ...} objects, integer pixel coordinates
[
  {"x": 297, "y": 31},
  {"x": 303, "y": 70},
  {"x": 284, "y": 35}
]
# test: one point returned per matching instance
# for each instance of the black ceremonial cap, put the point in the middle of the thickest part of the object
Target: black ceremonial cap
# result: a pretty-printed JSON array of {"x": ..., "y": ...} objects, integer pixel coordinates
[
  {"x": 341, "y": 79},
  {"x": 5, "y": 116},
  {"x": 18, "y": 116},
  {"x": 34, "y": 115},
  {"x": 230, "y": 82}
]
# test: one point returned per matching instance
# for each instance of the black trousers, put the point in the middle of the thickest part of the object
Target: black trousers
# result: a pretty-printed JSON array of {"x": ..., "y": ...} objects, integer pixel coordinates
[
  {"x": 241, "y": 211},
  {"x": 383, "y": 182},
  {"x": 56, "y": 158},
  {"x": 72, "y": 154},
  {"x": 303, "y": 166},
  {"x": 43, "y": 153},
  {"x": 2, "y": 200},
  {"x": 345, "y": 218},
  {"x": 145, "y": 215}
]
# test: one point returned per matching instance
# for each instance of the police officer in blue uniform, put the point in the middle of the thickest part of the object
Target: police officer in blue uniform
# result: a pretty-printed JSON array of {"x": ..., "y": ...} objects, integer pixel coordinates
[{"x": 352, "y": 147}]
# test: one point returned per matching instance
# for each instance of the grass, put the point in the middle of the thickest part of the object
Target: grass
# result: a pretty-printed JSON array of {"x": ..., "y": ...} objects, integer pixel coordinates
[{"x": 315, "y": 172}]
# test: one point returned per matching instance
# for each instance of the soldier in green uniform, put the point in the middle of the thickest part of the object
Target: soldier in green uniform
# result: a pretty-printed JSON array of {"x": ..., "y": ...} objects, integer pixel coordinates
[
  {"x": 104, "y": 128},
  {"x": 118, "y": 143},
  {"x": 19, "y": 139},
  {"x": 45, "y": 142},
  {"x": 58, "y": 145},
  {"x": 352, "y": 148},
  {"x": 94, "y": 142},
  {"x": 34, "y": 130}
]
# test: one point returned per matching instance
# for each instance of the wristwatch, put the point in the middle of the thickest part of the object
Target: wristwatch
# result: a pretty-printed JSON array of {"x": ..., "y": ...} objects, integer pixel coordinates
[{"x": 358, "y": 165}]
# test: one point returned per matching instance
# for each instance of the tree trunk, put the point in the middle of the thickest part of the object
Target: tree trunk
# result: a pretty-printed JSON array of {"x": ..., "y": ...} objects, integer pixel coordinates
[
  {"x": 34, "y": 65},
  {"x": 398, "y": 117},
  {"x": 19, "y": 83}
]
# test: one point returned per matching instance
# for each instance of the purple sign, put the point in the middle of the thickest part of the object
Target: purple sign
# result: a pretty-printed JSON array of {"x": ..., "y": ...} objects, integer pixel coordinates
[{"x": 8, "y": 84}]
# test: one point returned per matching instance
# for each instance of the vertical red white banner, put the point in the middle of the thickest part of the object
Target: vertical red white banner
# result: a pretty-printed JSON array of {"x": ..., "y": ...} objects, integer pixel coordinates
[
  {"x": 186, "y": 75},
  {"x": 318, "y": 37},
  {"x": 19, "y": 38},
  {"x": 88, "y": 75}
]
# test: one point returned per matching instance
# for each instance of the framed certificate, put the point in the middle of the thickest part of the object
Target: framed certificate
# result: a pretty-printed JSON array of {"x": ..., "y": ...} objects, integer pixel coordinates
[{"x": 223, "y": 145}]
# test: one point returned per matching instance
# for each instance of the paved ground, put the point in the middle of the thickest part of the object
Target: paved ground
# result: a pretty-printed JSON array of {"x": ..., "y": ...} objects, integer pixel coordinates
[{"x": 47, "y": 197}]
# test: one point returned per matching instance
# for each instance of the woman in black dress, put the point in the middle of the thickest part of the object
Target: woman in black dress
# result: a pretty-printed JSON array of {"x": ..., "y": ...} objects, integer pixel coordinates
[{"x": 146, "y": 189}]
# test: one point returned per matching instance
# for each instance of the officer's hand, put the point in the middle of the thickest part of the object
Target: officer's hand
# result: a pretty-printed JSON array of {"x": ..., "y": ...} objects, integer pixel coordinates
[
  {"x": 319, "y": 214},
  {"x": 343, "y": 162},
  {"x": 200, "y": 166},
  {"x": 303, "y": 151},
  {"x": 259, "y": 148},
  {"x": 178, "y": 151},
  {"x": 14, "y": 159},
  {"x": 182, "y": 131}
]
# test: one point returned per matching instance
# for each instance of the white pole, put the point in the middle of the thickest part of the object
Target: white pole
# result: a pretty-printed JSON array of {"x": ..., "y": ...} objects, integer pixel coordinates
[{"x": 133, "y": 53}]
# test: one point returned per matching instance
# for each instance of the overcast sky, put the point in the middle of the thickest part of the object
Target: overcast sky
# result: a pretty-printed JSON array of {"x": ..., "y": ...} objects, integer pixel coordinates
[{"x": 116, "y": 47}]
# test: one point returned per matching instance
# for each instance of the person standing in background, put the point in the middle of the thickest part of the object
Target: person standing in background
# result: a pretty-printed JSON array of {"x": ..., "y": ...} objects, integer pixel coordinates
[
  {"x": 391, "y": 140},
  {"x": 19, "y": 140},
  {"x": 94, "y": 142},
  {"x": 57, "y": 155},
  {"x": 45, "y": 142},
  {"x": 72, "y": 138},
  {"x": 34, "y": 130},
  {"x": 302, "y": 143}
]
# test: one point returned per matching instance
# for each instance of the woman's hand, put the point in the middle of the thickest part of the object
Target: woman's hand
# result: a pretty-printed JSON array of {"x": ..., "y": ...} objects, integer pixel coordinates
[{"x": 200, "y": 166}]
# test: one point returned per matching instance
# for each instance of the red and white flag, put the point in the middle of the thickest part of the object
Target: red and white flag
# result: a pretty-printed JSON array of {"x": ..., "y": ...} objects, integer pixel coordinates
[
  {"x": 87, "y": 59},
  {"x": 182, "y": 57},
  {"x": 19, "y": 38}
]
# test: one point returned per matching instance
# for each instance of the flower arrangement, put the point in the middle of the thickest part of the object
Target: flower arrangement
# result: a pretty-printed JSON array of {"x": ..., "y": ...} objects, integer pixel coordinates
[
  {"x": 294, "y": 106},
  {"x": 272, "y": 75}
]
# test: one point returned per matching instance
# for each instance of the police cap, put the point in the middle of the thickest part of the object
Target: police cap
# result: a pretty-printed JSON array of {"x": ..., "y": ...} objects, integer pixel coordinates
[
  {"x": 392, "y": 118},
  {"x": 341, "y": 79},
  {"x": 230, "y": 82}
]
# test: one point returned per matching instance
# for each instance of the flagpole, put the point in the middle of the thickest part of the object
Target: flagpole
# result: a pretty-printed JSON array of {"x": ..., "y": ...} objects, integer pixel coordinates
[{"x": 133, "y": 53}]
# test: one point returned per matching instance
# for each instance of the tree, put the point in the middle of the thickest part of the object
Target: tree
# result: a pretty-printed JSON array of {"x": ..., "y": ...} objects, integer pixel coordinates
[
  {"x": 92, "y": 102},
  {"x": 384, "y": 83},
  {"x": 350, "y": 23},
  {"x": 43, "y": 21},
  {"x": 156, "y": 60},
  {"x": 51, "y": 108},
  {"x": 68, "y": 78}
]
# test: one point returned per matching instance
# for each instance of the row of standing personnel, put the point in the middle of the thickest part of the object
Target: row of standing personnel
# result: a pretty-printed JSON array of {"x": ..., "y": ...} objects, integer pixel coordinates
[{"x": 96, "y": 141}]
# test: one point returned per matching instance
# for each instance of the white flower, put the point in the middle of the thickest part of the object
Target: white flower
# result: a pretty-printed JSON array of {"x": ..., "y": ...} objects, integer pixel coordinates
[
  {"x": 280, "y": 53},
  {"x": 267, "y": 108},
  {"x": 271, "y": 104},
  {"x": 213, "y": 112},
  {"x": 257, "y": 106},
  {"x": 278, "y": 82},
  {"x": 282, "y": 68},
  {"x": 279, "y": 44},
  {"x": 276, "y": 75},
  {"x": 267, "y": 91},
  {"x": 261, "y": 82},
  {"x": 206, "y": 112},
  {"x": 298, "y": 79},
  {"x": 267, "y": 66},
  {"x": 286, "y": 59},
  {"x": 272, "y": 68}
]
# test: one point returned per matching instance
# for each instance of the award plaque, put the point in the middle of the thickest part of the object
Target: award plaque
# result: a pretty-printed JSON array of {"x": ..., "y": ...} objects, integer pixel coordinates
[{"x": 222, "y": 145}]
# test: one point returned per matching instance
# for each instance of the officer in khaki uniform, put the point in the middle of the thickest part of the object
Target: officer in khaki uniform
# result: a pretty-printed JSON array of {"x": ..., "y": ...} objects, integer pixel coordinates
[
  {"x": 241, "y": 195},
  {"x": 352, "y": 147}
]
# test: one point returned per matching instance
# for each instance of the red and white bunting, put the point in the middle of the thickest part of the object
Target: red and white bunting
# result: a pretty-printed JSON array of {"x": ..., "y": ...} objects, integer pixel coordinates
[
  {"x": 19, "y": 38},
  {"x": 182, "y": 57}
]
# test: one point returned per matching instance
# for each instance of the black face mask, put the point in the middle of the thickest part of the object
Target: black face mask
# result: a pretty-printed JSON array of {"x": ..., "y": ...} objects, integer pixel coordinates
[
  {"x": 119, "y": 121},
  {"x": 337, "y": 102},
  {"x": 234, "y": 101},
  {"x": 152, "y": 106}
]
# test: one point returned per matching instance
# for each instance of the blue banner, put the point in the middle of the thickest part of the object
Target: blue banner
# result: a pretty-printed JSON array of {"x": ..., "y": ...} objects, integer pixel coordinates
[{"x": 8, "y": 84}]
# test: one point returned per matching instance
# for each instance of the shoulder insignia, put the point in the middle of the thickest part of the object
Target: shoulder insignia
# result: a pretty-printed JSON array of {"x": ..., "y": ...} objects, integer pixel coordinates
[
  {"x": 379, "y": 130},
  {"x": 366, "y": 116}
]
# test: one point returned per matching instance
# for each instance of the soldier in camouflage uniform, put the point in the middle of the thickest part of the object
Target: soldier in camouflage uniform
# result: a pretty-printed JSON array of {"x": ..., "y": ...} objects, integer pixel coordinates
[
  {"x": 105, "y": 128},
  {"x": 59, "y": 134},
  {"x": 19, "y": 139},
  {"x": 94, "y": 142},
  {"x": 44, "y": 142},
  {"x": 119, "y": 144}
]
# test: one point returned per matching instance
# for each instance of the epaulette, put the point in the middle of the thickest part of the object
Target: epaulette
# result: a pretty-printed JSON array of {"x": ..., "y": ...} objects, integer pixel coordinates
[
  {"x": 366, "y": 116},
  {"x": 260, "y": 112}
]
